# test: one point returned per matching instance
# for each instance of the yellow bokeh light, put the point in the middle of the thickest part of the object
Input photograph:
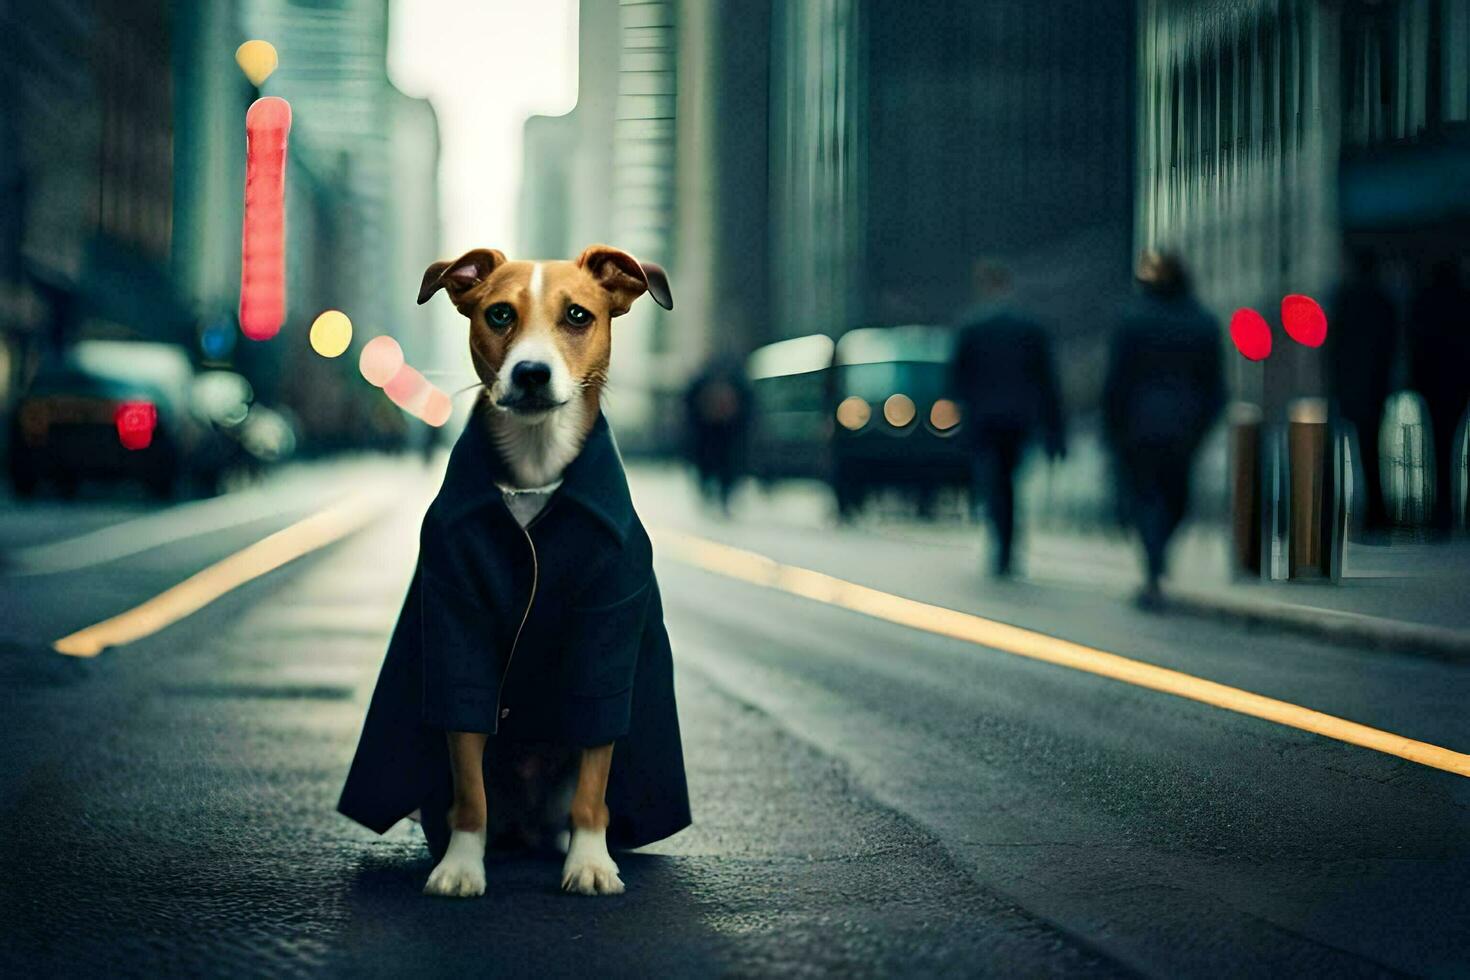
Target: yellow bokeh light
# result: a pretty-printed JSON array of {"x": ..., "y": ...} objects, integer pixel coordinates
[
  {"x": 331, "y": 333},
  {"x": 853, "y": 413},
  {"x": 257, "y": 59},
  {"x": 945, "y": 415},
  {"x": 899, "y": 410}
]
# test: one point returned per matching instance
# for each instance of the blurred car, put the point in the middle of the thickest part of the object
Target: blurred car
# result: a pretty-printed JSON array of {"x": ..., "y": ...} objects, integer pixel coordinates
[
  {"x": 895, "y": 422},
  {"x": 249, "y": 437},
  {"x": 125, "y": 410},
  {"x": 791, "y": 418}
]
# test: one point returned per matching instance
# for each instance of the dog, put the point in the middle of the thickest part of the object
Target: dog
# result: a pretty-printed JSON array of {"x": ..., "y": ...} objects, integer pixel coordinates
[{"x": 540, "y": 339}]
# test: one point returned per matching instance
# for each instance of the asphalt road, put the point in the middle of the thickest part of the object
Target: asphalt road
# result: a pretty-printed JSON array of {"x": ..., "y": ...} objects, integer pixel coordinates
[{"x": 869, "y": 799}]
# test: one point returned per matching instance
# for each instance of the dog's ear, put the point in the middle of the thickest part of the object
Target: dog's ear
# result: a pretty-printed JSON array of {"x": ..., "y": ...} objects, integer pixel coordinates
[
  {"x": 457, "y": 276},
  {"x": 625, "y": 277}
]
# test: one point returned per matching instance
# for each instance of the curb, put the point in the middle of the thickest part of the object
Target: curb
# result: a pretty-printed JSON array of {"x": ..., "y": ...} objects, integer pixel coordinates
[{"x": 1440, "y": 642}]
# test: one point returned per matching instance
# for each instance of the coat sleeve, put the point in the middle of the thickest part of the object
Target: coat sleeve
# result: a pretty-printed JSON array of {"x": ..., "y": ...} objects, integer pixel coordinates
[
  {"x": 461, "y": 680},
  {"x": 604, "y": 640},
  {"x": 457, "y": 631}
]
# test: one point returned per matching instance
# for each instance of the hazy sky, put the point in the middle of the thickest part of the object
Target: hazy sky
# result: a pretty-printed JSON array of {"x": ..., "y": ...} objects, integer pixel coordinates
[{"x": 485, "y": 65}]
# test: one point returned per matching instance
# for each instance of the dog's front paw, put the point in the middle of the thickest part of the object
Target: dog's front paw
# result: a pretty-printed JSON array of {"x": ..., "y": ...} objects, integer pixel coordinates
[
  {"x": 462, "y": 872},
  {"x": 589, "y": 869}
]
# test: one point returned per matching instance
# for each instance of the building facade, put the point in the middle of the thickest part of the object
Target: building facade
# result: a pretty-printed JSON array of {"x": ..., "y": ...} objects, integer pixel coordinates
[
  {"x": 1273, "y": 133},
  {"x": 816, "y": 166},
  {"x": 122, "y": 174}
]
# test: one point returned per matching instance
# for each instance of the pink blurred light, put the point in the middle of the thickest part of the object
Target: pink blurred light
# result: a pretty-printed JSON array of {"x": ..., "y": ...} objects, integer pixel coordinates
[
  {"x": 407, "y": 389},
  {"x": 380, "y": 360},
  {"x": 263, "y": 240},
  {"x": 437, "y": 408}
]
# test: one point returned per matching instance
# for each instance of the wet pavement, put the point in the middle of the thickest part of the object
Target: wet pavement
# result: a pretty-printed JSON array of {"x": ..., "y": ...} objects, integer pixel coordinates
[{"x": 869, "y": 799}]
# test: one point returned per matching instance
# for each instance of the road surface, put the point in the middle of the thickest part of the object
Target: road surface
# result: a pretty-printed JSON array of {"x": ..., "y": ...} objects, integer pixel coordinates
[{"x": 870, "y": 798}]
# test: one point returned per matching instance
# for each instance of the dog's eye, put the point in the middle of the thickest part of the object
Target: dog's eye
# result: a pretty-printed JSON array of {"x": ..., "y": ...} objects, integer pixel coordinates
[
  {"x": 501, "y": 315},
  {"x": 578, "y": 316}
]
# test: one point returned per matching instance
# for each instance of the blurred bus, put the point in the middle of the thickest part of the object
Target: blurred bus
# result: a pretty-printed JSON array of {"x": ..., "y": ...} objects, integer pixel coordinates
[
  {"x": 896, "y": 422},
  {"x": 791, "y": 418},
  {"x": 866, "y": 414}
]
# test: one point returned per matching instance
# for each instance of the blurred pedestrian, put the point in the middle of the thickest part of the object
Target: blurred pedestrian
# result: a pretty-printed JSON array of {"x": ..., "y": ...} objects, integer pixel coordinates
[
  {"x": 1439, "y": 369},
  {"x": 717, "y": 414},
  {"x": 1164, "y": 388},
  {"x": 1360, "y": 352},
  {"x": 1004, "y": 375}
]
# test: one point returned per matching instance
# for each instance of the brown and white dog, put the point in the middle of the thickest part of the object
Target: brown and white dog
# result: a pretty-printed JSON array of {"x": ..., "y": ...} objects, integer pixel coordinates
[{"x": 541, "y": 341}]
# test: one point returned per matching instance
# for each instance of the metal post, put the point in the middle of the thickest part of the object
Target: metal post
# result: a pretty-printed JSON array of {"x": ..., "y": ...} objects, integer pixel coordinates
[
  {"x": 1246, "y": 512},
  {"x": 1316, "y": 509}
]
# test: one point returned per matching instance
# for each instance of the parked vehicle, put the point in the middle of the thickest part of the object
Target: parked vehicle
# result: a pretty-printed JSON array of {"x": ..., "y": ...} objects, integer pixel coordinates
[
  {"x": 865, "y": 414},
  {"x": 791, "y": 421},
  {"x": 132, "y": 410},
  {"x": 895, "y": 422}
]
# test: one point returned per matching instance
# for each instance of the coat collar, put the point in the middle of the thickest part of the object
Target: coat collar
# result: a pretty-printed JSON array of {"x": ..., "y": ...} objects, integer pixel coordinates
[{"x": 594, "y": 480}]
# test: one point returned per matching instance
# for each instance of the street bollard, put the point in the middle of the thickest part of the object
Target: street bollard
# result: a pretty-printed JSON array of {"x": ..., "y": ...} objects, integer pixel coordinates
[
  {"x": 1247, "y": 526},
  {"x": 1315, "y": 460}
]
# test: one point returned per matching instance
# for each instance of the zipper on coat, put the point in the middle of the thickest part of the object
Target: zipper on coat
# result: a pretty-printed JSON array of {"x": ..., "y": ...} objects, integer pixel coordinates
[{"x": 535, "y": 578}]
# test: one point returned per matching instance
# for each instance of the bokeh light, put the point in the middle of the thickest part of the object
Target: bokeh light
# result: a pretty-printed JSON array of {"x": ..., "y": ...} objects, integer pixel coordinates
[
  {"x": 853, "y": 413},
  {"x": 263, "y": 249},
  {"x": 1250, "y": 334},
  {"x": 944, "y": 415},
  {"x": 407, "y": 389},
  {"x": 257, "y": 59},
  {"x": 135, "y": 422},
  {"x": 380, "y": 360},
  {"x": 218, "y": 339},
  {"x": 331, "y": 333},
  {"x": 437, "y": 408},
  {"x": 1304, "y": 320},
  {"x": 899, "y": 410}
]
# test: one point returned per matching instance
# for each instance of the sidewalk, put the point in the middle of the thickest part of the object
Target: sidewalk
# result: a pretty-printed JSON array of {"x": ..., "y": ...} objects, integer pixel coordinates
[{"x": 1407, "y": 596}]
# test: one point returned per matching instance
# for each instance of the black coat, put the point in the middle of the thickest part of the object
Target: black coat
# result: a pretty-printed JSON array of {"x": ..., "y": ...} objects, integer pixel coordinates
[
  {"x": 1003, "y": 371},
  {"x": 553, "y": 633},
  {"x": 1165, "y": 382}
]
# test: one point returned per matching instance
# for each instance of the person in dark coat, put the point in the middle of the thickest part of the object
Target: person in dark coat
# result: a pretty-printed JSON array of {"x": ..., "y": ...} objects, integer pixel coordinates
[
  {"x": 1439, "y": 369},
  {"x": 1360, "y": 351},
  {"x": 717, "y": 416},
  {"x": 1164, "y": 387},
  {"x": 547, "y": 636},
  {"x": 1003, "y": 373}
]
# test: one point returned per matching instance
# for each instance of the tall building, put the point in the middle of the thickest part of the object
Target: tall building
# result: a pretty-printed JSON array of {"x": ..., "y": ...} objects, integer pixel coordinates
[
  {"x": 86, "y": 172},
  {"x": 1274, "y": 132},
  {"x": 603, "y": 172},
  {"x": 908, "y": 141},
  {"x": 122, "y": 155},
  {"x": 375, "y": 147},
  {"x": 812, "y": 167}
]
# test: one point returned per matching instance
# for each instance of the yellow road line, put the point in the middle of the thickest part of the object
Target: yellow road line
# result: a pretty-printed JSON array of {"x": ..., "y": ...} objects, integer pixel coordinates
[
  {"x": 748, "y": 566},
  {"x": 202, "y": 588}
]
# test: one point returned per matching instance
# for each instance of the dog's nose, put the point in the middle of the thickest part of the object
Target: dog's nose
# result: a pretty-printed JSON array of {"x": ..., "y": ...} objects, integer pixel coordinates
[{"x": 530, "y": 375}]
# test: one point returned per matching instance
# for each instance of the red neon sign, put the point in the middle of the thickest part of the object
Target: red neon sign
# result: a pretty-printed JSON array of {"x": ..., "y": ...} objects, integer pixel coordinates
[{"x": 263, "y": 246}]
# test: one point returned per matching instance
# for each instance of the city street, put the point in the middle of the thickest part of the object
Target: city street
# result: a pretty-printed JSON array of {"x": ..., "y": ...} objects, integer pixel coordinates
[{"x": 869, "y": 798}]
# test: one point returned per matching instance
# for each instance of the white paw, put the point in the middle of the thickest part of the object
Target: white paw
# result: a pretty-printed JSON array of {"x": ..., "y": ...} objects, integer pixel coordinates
[
  {"x": 589, "y": 869},
  {"x": 462, "y": 872}
]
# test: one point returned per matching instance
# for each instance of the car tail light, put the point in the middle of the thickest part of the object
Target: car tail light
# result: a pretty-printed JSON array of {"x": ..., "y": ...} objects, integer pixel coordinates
[{"x": 135, "y": 423}]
